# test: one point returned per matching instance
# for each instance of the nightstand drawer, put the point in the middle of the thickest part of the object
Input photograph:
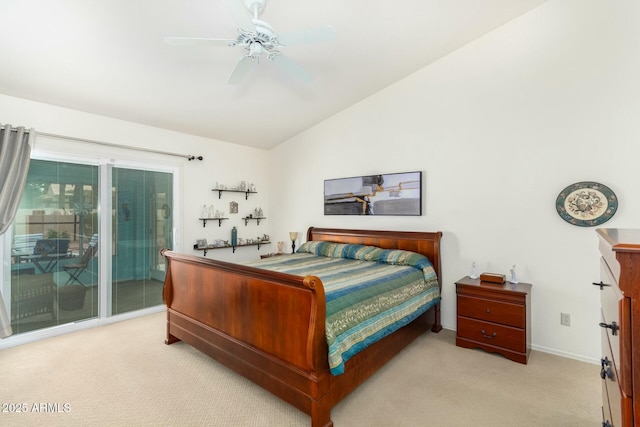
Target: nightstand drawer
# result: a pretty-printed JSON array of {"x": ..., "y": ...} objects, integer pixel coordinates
[
  {"x": 492, "y": 333},
  {"x": 492, "y": 311}
]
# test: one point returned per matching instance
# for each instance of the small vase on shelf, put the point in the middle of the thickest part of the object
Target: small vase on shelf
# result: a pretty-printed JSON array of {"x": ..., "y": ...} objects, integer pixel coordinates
[{"x": 234, "y": 236}]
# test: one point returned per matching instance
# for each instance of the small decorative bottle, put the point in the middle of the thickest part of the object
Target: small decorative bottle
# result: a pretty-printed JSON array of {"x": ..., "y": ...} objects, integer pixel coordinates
[
  {"x": 513, "y": 279},
  {"x": 234, "y": 236},
  {"x": 474, "y": 271}
]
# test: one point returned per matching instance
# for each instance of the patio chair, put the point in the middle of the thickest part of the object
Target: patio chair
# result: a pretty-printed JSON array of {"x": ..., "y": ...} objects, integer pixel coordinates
[{"x": 75, "y": 269}]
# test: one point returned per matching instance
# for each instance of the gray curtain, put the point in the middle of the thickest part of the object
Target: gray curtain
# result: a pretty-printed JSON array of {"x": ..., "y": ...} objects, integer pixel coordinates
[{"x": 15, "y": 153}]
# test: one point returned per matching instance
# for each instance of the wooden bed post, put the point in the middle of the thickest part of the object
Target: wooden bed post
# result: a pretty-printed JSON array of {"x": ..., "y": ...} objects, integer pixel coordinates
[
  {"x": 321, "y": 414},
  {"x": 437, "y": 326},
  {"x": 167, "y": 296}
]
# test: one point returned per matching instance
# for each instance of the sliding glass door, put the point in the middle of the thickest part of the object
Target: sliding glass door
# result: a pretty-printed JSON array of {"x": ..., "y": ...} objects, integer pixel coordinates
[
  {"x": 63, "y": 243},
  {"x": 53, "y": 279},
  {"x": 142, "y": 225}
]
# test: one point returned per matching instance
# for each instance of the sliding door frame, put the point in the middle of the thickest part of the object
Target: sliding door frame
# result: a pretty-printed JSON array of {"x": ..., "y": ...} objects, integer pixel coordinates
[{"x": 105, "y": 167}]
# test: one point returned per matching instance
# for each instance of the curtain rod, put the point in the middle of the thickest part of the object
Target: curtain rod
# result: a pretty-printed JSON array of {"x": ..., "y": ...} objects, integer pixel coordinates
[{"x": 108, "y": 144}]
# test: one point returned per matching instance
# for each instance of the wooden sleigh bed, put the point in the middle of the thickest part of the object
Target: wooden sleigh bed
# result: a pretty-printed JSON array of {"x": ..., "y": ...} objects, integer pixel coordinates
[{"x": 270, "y": 326}]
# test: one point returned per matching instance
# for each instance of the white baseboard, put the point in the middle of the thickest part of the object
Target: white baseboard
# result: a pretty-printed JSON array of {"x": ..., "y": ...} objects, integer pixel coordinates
[
  {"x": 554, "y": 351},
  {"x": 566, "y": 354}
]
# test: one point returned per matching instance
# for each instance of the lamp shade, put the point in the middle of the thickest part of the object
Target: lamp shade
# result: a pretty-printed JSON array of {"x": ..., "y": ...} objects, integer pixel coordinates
[{"x": 293, "y": 235}]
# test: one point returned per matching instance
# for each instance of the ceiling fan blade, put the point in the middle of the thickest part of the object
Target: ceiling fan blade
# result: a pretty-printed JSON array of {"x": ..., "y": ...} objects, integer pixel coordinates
[
  {"x": 311, "y": 35},
  {"x": 196, "y": 41},
  {"x": 240, "y": 71},
  {"x": 241, "y": 16},
  {"x": 291, "y": 67}
]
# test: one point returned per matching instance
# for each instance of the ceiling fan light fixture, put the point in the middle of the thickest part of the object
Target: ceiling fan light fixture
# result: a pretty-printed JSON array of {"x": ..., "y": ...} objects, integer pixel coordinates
[{"x": 255, "y": 50}]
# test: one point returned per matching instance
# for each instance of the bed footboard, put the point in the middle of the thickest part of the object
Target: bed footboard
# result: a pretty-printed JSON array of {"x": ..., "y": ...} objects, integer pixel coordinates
[{"x": 237, "y": 315}]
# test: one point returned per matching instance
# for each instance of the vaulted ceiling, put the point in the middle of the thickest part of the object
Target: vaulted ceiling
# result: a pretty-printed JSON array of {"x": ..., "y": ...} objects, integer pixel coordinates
[{"x": 109, "y": 57}]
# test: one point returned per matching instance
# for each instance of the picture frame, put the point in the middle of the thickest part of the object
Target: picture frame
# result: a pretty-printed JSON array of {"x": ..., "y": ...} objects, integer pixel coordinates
[
  {"x": 398, "y": 194},
  {"x": 201, "y": 243}
]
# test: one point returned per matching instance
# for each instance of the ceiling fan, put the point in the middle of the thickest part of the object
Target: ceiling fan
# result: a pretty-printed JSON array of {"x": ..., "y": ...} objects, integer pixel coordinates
[{"x": 257, "y": 38}]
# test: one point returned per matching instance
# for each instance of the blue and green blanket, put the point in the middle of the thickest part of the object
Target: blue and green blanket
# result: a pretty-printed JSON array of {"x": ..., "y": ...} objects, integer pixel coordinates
[{"x": 370, "y": 292}]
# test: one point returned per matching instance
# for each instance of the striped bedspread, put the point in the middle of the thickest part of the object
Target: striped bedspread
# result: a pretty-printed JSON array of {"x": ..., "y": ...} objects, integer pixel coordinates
[{"x": 370, "y": 292}]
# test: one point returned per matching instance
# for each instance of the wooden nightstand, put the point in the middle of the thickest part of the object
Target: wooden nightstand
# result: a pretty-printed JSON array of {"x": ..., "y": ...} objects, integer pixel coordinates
[{"x": 494, "y": 317}]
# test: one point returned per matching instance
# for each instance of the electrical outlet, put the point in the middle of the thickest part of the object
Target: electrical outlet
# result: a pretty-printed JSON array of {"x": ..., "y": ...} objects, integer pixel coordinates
[{"x": 565, "y": 319}]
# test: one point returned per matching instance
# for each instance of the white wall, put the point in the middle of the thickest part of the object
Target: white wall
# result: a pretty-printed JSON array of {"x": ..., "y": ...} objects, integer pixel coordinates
[
  {"x": 499, "y": 128},
  {"x": 223, "y": 162}
]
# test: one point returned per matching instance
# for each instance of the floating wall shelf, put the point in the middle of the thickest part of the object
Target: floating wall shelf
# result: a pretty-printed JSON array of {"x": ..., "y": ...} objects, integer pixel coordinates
[
  {"x": 248, "y": 218},
  {"x": 204, "y": 221},
  {"x": 246, "y": 192},
  {"x": 195, "y": 247}
]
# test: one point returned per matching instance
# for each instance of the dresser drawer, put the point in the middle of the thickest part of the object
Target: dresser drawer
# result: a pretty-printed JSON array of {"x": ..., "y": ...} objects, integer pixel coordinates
[
  {"x": 492, "y": 311},
  {"x": 493, "y": 334}
]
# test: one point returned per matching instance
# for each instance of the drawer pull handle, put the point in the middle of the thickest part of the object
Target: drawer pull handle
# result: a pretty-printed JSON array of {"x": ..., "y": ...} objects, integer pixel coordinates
[
  {"x": 602, "y": 285},
  {"x": 606, "y": 373},
  {"x": 484, "y": 334},
  {"x": 488, "y": 310},
  {"x": 613, "y": 326}
]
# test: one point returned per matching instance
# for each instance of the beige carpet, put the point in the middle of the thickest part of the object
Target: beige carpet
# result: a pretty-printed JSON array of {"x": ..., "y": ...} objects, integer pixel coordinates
[{"x": 117, "y": 375}]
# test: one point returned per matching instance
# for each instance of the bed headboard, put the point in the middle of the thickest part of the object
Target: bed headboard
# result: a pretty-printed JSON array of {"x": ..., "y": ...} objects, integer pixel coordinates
[{"x": 425, "y": 243}]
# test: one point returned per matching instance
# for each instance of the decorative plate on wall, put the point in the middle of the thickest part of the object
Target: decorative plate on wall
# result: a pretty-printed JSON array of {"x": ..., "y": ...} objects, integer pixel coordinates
[{"x": 586, "y": 204}]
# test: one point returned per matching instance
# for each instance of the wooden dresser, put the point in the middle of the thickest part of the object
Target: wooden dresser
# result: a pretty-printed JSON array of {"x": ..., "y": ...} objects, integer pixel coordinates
[
  {"x": 619, "y": 288},
  {"x": 494, "y": 317}
]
